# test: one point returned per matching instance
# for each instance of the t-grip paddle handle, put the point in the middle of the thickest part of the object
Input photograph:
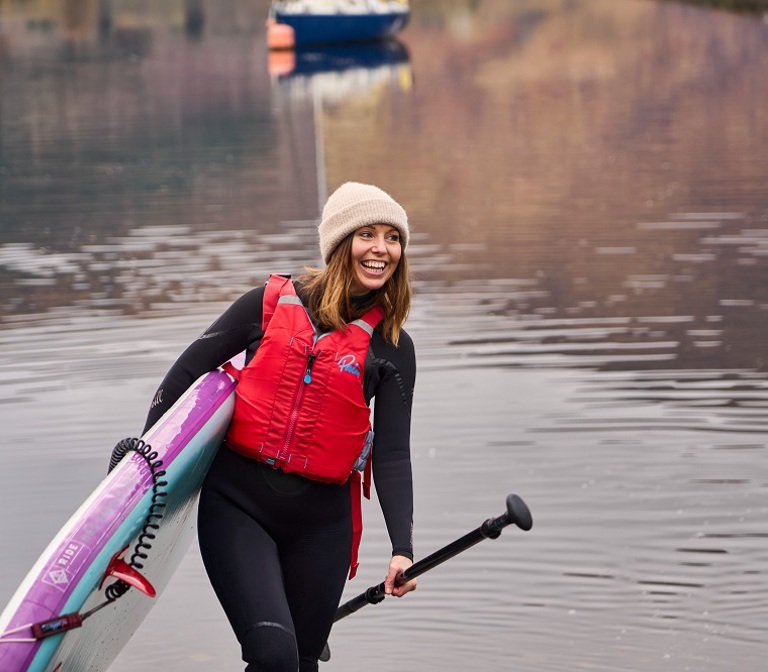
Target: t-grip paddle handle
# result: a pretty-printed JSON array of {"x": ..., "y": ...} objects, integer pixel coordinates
[{"x": 517, "y": 513}]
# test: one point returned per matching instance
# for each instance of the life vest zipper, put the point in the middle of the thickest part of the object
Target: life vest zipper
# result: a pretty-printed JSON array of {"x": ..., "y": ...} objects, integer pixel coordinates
[{"x": 306, "y": 380}]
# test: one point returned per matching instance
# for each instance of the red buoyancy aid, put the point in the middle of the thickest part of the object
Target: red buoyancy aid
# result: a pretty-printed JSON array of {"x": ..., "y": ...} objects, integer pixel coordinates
[{"x": 300, "y": 404}]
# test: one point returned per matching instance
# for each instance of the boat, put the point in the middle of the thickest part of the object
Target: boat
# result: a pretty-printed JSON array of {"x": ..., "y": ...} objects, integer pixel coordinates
[{"x": 296, "y": 23}]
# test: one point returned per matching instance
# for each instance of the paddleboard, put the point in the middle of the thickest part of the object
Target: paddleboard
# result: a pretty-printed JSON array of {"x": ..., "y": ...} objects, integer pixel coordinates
[{"x": 98, "y": 544}]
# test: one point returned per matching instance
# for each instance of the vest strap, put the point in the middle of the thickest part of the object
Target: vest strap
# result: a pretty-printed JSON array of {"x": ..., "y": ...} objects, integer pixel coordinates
[
  {"x": 272, "y": 292},
  {"x": 357, "y": 522},
  {"x": 367, "y": 476},
  {"x": 360, "y": 487},
  {"x": 231, "y": 370}
]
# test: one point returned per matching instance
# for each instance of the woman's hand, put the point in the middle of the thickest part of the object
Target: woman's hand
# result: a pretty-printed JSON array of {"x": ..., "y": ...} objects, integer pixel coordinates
[{"x": 397, "y": 565}]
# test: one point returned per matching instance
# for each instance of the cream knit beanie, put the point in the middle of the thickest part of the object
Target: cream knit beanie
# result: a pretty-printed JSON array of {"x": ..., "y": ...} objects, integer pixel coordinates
[{"x": 354, "y": 205}]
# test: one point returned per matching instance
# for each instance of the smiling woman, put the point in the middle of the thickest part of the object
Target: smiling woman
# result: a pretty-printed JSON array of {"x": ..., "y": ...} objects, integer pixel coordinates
[{"x": 284, "y": 492}]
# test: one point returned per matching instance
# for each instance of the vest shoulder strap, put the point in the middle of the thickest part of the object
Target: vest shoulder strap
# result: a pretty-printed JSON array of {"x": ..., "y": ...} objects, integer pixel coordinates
[
  {"x": 272, "y": 292},
  {"x": 373, "y": 316}
]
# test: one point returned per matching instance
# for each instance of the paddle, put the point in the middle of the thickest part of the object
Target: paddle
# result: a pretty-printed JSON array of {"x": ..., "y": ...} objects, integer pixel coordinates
[{"x": 517, "y": 513}]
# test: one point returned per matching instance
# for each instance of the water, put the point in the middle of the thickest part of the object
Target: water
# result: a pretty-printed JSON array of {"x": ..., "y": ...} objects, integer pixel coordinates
[{"x": 587, "y": 189}]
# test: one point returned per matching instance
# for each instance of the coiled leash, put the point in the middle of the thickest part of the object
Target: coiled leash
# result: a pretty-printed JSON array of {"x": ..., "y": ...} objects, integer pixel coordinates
[{"x": 126, "y": 573}]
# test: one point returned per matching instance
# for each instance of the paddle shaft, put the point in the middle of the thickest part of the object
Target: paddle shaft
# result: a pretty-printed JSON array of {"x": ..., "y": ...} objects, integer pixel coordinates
[{"x": 517, "y": 513}]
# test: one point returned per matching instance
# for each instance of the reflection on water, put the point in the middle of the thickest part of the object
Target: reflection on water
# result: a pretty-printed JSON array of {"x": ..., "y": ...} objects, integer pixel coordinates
[{"x": 587, "y": 189}]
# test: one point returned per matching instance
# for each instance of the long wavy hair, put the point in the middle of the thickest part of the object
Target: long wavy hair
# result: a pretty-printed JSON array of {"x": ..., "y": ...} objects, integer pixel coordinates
[{"x": 329, "y": 297}]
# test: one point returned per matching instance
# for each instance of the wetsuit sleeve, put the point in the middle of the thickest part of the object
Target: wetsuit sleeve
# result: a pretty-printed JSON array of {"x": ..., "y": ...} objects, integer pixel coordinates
[
  {"x": 237, "y": 329},
  {"x": 391, "y": 449}
]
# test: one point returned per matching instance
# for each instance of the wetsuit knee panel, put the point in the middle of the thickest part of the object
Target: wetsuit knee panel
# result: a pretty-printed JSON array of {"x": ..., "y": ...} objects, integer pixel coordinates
[{"x": 270, "y": 647}]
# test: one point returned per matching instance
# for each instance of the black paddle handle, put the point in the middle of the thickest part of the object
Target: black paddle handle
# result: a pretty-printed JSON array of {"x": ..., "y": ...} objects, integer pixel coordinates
[{"x": 517, "y": 513}]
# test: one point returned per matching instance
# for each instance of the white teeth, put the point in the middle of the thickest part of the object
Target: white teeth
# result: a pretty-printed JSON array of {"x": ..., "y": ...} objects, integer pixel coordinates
[{"x": 374, "y": 265}]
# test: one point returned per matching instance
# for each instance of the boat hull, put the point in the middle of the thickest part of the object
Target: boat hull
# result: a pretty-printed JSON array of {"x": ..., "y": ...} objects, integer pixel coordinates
[{"x": 343, "y": 28}]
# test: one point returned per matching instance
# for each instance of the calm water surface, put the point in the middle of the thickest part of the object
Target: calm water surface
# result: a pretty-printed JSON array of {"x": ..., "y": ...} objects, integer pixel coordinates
[{"x": 588, "y": 189}]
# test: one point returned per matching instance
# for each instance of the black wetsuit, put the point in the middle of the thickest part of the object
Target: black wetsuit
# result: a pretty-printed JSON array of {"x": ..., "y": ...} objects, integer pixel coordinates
[{"x": 276, "y": 546}]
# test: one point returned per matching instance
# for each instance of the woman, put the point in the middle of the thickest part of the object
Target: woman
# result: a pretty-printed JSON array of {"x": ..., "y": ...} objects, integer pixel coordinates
[{"x": 278, "y": 520}]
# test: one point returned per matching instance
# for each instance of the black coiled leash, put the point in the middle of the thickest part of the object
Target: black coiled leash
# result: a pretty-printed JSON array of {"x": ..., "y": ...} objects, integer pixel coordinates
[{"x": 151, "y": 523}]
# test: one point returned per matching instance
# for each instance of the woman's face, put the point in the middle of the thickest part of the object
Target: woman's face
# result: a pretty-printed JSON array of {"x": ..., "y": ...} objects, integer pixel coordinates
[{"x": 375, "y": 254}]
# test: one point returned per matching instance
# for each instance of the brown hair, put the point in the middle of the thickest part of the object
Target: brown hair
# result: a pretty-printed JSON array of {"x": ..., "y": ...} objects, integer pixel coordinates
[{"x": 328, "y": 293}]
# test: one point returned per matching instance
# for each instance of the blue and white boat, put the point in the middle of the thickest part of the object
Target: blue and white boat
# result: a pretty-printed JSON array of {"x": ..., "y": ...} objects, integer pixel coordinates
[{"x": 341, "y": 21}]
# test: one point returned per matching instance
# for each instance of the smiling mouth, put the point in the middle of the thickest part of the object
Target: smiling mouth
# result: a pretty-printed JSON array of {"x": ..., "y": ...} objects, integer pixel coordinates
[{"x": 374, "y": 266}]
